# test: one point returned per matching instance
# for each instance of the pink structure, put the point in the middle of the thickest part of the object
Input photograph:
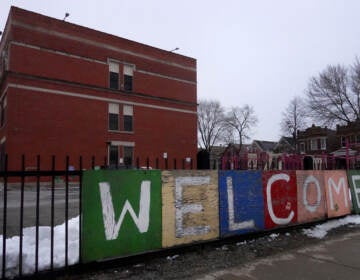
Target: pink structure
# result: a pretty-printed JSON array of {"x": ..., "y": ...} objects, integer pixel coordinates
[{"x": 344, "y": 158}]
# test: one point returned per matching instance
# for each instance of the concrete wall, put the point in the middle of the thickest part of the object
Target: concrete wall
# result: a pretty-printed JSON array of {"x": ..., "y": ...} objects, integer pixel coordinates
[{"x": 129, "y": 212}]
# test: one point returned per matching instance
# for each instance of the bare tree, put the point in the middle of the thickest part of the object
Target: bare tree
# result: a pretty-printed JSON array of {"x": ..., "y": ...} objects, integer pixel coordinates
[
  {"x": 210, "y": 123},
  {"x": 355, "y": 83},
  {"x": 333, "y": 96},
  {"x": 239, "y": 122},
  {"x": 294, "y": 118}
]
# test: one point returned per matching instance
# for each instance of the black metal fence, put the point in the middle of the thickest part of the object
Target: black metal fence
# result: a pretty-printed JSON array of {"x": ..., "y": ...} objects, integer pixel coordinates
[
  {"x": 36, "y": 197},
  {"x": 16, "y": 181}
]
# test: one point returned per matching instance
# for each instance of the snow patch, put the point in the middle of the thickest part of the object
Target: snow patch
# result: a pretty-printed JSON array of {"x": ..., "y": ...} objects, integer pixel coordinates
[
  {"x": 171, "y": 258},
  {"x": 273, "y": 236},
  {"x": 320, "y": 231},
  {"x": 29, "y": 247},
  {"x": 12, "y": 244}
]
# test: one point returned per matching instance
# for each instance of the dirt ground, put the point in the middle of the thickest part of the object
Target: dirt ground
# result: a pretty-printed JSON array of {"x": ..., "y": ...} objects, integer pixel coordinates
[{"x": 192, "y": 261}]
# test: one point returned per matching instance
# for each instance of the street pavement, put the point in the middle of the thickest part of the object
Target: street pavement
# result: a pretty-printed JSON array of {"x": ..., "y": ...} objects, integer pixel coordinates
[
  {"x": 29, "y": 210},
  {"x": 336, "y": 258}
]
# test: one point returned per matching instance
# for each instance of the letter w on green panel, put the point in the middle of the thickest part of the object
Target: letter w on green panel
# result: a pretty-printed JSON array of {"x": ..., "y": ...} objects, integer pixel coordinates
[
  {"x": 121, "y": 213},
  {"x": 111, "y": 226}
]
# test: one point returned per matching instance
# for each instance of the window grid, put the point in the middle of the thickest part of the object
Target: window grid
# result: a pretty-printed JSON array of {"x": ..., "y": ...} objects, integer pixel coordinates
[{"x": 118, "y": 122}]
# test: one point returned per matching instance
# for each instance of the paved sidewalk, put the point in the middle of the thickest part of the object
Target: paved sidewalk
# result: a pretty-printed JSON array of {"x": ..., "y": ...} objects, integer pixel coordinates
[{"x": 337, "y": 258}]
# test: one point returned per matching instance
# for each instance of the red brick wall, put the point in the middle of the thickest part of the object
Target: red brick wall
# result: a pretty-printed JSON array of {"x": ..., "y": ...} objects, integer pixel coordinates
[
  {"x": 50, "y": 124},
  {"x": 54, "y": 66},
  {"x": 60, "y": 26},
  {"x": 55, "y": 123}
]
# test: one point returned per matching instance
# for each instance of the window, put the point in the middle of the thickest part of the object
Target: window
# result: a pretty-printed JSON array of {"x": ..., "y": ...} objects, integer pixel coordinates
[
  {"x": 302, "y": 147},
  {"x": 113, "y": 116},
  {"x": 126, "y": 123},
  {"x": 128, "y": 155},
  {"x": 357, "y": 139},
  {"x": 2, "y": 64},
  {"x": 128, "y": 118},
  {"x": 343, "y": 141},
  {"x": 313, "y": 144},
  {"x": 113, "y": 75},
  {"x": 113, "y": 155},
  {"x": 3, "y": 105},
  {"x": 323, "y": 143},
  {"x": 352, "y": 138},
  {"x": 128, "y": 77},
  {"x": 2, "y": 154}
]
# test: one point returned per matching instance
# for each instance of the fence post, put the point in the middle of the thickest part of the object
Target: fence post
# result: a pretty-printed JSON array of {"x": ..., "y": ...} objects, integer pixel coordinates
[
  {"x": 66, "y": 210},
  {"x": 175, "y": 163},
  {"x": 53, "y": 159},
  {"x": 105, "y": 162},
  {"x": 37, "y": 214},
  {"x": 93, "y": 162},
  {"x": 21, "y": 213},
  {"x": 4, "y": 219},
  {"x": 80, "y": 204}
]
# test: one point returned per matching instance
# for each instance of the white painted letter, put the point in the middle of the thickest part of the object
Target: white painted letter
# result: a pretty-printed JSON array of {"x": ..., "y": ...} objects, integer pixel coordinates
[
  {"x": 356, "y": 190},
  {"x": 112, "y": 228},
  {"x": 337, "y": 190},
  {"x": 311, "y": 179},
  {"x": 232, "y": 224},
  {"x": 276, "y": 220},
  {"x": 182, "y": 209}
]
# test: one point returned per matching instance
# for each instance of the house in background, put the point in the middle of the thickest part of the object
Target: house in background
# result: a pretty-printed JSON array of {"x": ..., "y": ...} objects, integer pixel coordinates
[
  {"x": 259, "y": 146},
  {"x": 266, "y": 158},
  {"x": 348, "y": 140},
  {"x": 349, "y": 135},
  {"x": 212, "y": 159},
  {"x": 68, "y": 90},
  {"x": 315, "y": 144},
  {"x": 257, "y": 155},
  {"x": 285, "y": 145},
  {"x": 317, "y": 148},
  {"x": 316, "y": 140},
  {"x": 215, "y": 156},
  {"x": 235, "y": 157}
]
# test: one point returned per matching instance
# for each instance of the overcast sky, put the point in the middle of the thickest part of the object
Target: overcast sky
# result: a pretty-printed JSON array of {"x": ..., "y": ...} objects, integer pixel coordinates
[{"x": 260, "y": 53}]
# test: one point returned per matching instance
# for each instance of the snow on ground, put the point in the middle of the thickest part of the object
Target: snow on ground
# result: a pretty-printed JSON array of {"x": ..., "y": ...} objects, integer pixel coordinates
[
  {"x": 12, "y": 244},
  {"x": 29, "y": 243},
  {"x": 321, "y": 230}
]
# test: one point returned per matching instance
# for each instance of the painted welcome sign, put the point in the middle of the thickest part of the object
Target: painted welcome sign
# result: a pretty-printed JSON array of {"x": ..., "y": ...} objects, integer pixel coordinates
[{"x": 127, "y": 212}]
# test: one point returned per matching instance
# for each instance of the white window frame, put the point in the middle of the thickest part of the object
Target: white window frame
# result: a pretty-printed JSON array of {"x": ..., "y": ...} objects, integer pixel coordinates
[
  {"x": 302, "y": 147},
  {"x": 313, "y": 144},
  {"x": 114, "y": 67},
  {"x": 114, "y": 109},
  {"x": 129, "y": 69},
  {"x": 128, "y": 110},
  {"x": 323, "y": 144}
]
